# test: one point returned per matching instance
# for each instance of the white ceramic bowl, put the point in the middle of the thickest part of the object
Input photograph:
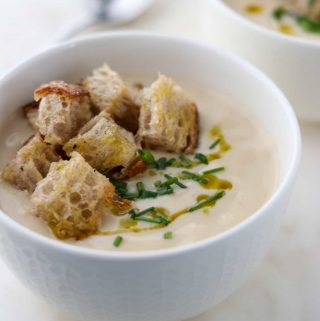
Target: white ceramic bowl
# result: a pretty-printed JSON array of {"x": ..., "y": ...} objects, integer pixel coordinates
[
  {"x": 164, "y": 285},
  {"x": 293, "y": 63}
]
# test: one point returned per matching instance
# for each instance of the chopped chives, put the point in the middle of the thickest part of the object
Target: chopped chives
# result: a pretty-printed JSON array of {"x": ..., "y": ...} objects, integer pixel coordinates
[
  {"x": 171, "y": 161},
  {"x": 168, "y": 235},
  {"x": 214, "y": 170},
  {"x": 185, "y": 161},
  {"x": 157, "y": 184},
  {"x": 170, "y": 180},
  {"x": 165, "y": 190},
  {"x": 117, "y": 241},
  {"x": 195, "y": 177},
  {"x": 161, "y": 163},
  {"x": 147, "y": 156},
  {"x": 156, "y": 220},
  {"x": 215, "y": 143},
  {"x": 201, "y": 158},
  {"x": 143, "y": 193},
  {"x": 140, "y": 188},
  {"x": 149, "y": 194},
  {"x": 175, "y": 181},
  {"x": 133, "y": 214},
  {"x": 207, "y": 201},
  {"x": 130, "y": 196}
]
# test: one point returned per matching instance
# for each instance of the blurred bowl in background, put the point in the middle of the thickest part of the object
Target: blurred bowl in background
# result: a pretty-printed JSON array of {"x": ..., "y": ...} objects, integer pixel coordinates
[{"x": 292, "y": 62}]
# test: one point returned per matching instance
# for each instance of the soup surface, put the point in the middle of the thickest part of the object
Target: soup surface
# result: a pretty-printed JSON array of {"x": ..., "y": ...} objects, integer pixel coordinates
[
  {"x": 250, "y": 168},
  {"x": 263, "y": 13}
]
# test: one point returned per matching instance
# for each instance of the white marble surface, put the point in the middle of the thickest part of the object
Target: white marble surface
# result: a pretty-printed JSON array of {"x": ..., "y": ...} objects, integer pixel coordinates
[{"x": 286, "y": 285}]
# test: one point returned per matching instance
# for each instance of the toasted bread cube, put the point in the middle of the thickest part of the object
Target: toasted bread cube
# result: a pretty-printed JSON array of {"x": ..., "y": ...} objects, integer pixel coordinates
[
  {"x": 63, "y": 110},
  {"x": 168, "y": 118},
  {"x": 109, "y": 92},
  {"x": 73, "y": 198},
  {"x": 31, "y": 112},
  {"x": 104, "y": 144},
  {"x": 30, "y": 165}
]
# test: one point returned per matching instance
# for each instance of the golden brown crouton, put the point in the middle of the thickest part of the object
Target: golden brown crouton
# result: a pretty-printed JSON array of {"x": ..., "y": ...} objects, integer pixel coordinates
[
  {"x": 63, "y": 110},
  {"x": 30, "y": 165},
  {"x": 109, "y": 92},
  {"x": 104, "y": 144},
  {"x": 73, "y": 197},
  {"x": 168, "y": 118},
  {"x": 31, "y": 112}
]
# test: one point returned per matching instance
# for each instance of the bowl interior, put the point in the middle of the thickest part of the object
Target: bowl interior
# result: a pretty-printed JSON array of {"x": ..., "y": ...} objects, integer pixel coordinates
[{"x": 135, "y": 54}]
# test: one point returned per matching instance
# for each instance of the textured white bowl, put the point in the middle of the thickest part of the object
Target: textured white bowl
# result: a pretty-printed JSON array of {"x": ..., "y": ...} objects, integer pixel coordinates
[
  {"x": 292, "y": 63},
  {"x": 164, "y": 285}
]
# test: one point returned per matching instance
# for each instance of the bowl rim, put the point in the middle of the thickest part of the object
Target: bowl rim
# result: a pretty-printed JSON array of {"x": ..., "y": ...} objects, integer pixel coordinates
[
  {"x": 284, "y": 184},
  {"x": 300, "y": 41}
]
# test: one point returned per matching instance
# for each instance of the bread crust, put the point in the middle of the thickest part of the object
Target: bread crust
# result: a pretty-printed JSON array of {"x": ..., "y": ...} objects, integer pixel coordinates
[
  {"x": 62, "y": 88},
  {"x": 168, "y": 118},
  {"x": 63, "y": 110}
]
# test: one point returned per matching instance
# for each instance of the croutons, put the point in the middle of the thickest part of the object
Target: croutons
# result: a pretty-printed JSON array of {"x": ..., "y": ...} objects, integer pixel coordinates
[
  {"x": 63, "y": 110},
  {"x": 30, "y": 165},
  {"x": 31, "y": 112},
  {"x": 104, "y": 144},
  {"x": 73, "y": 197},
  {"x": 109, "y": 92},
  {"x": 168, "y": 118}
]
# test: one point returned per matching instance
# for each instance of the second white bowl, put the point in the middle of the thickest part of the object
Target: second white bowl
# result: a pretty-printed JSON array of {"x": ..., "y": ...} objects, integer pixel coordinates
[{"x": 293, "y": 63}]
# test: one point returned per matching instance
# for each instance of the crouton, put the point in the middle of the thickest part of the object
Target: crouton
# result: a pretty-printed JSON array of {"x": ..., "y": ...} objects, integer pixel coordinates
[
  {"x": 73, "y": 198},
  {"x": 31, "y": 112},
  {"x": 63, "y": 110},
  {"x": 168, "y": 118},
  {"x": 104, "y": 144},
  {"x": 30, "y": 165},
  {"x": 109, "y": 92}
]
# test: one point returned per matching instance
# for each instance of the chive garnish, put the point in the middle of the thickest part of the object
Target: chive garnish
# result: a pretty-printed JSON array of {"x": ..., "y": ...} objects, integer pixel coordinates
[
  {"x": 157, "y": 184},
  {"x": 165, "y": 190},
  {"x": 146, "y": 156},
  {"x": 168, "y": 235},
  {"x": 157, "y": 220},
  {"x": 130, "y": 196},
  {"x": 214, "y": 170},
  {"x": 195, "y": 177},
  {"x": 120, "y": 186},
  {"x": 171, "y": 161},
  {"x": 161, "y": 163},
  {"x": 143, "y": 193},
  {"x": 174, "y": 180},
  {"x": 207, "y": 201},
  {"x": 185, "y": 161},
  {"x": 117, "y": 241},
  {"x": 215, "y": 143},
  {"x": 201, "y": 158},
  {"x": 134, "y": 215}
]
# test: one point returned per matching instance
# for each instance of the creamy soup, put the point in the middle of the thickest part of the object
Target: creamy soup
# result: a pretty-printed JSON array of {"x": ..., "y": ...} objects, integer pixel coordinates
[
  {"x": 249, "y": 178},
  {"x": 264, "y": 13}
]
